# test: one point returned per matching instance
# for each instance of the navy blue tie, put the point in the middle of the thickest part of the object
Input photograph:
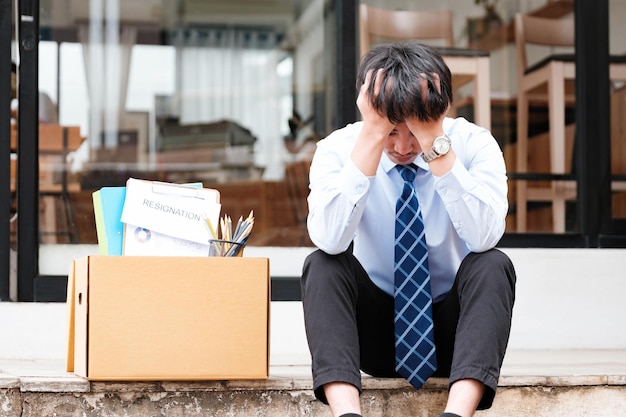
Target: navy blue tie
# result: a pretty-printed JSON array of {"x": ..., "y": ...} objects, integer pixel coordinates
[{"x": 415, "y": 342}]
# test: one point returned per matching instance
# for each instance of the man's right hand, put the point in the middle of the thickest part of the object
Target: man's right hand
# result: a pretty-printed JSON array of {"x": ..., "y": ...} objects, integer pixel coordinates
[
  {"x": 372, "y": 119},
  {"x": 376, "y": 127}
]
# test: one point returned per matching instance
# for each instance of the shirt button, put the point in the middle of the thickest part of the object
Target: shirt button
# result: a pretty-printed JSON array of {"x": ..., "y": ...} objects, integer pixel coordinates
[
  {"x": 360, "y": 188},
  {"x": 444, "y": 191}
]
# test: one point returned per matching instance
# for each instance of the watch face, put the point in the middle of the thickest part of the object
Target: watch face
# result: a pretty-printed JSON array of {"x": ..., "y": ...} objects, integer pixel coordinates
[{"x": 441, "y": 145}]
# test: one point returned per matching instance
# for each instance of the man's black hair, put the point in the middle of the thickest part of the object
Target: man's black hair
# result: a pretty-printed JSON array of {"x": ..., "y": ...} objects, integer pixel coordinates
[{"x": 416, "y": 81}]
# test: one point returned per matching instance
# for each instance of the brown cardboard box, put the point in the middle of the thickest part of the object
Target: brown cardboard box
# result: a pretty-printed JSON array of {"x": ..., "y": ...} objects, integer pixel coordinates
[{"x": 168, "y": 318}]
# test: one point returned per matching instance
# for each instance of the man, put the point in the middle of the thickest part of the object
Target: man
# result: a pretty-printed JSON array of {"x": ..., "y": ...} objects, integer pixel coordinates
[{"x": 460, "y": 183}]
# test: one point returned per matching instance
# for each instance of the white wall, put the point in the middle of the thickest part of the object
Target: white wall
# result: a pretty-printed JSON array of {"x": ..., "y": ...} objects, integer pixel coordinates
[
  {"x": 569, "y": 299},
  {"x": 566, "y": 299}
]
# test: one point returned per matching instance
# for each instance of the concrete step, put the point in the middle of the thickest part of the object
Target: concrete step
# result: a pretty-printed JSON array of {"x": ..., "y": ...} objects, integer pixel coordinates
[
  {"x": 567, "y": 354},
  {"x": 555, "y": 383}
]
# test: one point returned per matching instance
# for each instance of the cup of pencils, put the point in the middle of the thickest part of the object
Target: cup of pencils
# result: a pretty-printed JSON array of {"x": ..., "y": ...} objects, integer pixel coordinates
[
  {"x": 222, "y": 247},
  {"x": 231, "y": 242}
]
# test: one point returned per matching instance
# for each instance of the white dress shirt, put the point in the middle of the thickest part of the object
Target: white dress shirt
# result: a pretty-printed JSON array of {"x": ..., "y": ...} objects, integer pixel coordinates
[{"x": 464, "y": 210}]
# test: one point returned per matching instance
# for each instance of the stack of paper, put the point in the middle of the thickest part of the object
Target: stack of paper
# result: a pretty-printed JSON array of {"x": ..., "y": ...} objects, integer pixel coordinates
[{"x": 151, "y": 218}]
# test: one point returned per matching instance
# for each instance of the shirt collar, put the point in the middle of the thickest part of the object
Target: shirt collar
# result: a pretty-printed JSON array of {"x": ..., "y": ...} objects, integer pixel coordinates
[{"x": 388, "y": 165}]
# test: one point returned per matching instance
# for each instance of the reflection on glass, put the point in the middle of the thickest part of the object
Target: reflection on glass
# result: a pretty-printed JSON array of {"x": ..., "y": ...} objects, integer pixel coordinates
[
  {"x": 196, "y": 92},
  {"x": 235, "y": 95}
]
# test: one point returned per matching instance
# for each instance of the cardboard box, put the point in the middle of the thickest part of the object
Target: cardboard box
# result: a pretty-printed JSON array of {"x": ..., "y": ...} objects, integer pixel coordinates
[{"x": 168, "y": 318}]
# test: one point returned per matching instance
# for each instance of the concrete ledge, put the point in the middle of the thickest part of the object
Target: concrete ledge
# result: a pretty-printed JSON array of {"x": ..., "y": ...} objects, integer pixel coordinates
[
  {"x": 534, "y": 383},
  {"x": 563, "y": 359},
  {"x": 553, "y": 368},
  {"x": 513, "y": 402}
]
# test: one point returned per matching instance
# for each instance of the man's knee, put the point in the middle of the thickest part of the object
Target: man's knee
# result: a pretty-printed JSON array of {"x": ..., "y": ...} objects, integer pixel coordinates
[
  {"x": 492, "y": 266},
  {"x": 322, "y": 270},
  {"x": 314, "y": 258},
  {"x": 321, "y": 261}
]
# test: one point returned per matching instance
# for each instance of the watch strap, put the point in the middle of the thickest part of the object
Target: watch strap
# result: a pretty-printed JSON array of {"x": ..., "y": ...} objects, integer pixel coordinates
[{"x": 432, "y": 154}]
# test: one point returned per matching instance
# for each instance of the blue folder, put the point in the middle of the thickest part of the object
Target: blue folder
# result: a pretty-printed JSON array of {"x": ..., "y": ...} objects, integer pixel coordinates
[{"x": 108, "y": 203}]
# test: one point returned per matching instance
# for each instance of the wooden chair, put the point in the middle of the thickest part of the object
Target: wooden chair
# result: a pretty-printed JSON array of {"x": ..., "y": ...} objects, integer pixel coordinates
[
  {"x": 55, "y": 184},
  {"x": 380, "y": 25},
  {"x": 297, "y": 181},
  {"x": 551, "y": 81},
  {"x": 403, "y": 24}
]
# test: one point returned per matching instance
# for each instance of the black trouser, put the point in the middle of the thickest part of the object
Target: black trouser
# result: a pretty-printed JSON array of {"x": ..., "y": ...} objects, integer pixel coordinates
[{"x": 349, "y": 321}]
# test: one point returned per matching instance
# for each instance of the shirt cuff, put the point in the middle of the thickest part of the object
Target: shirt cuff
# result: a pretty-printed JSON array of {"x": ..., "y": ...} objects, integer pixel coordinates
[
  {"x": 454, "y": 184},
  {"x": 354, "y": 185}
]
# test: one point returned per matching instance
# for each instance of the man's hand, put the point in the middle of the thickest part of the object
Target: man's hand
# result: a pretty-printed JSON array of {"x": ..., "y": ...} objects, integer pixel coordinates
[
  {"x": 374, "y": 122},
  {"x": 376, "y": 128},
  {"x": 425, "y": 132}
]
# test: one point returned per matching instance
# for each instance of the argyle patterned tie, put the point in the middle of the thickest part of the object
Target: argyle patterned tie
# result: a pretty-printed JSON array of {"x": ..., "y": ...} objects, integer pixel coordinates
[{"x": 415, "y": 342}]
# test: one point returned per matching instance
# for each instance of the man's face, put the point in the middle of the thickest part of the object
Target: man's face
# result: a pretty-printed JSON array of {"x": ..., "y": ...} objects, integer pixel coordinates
[{"x": 402, "y": 147}]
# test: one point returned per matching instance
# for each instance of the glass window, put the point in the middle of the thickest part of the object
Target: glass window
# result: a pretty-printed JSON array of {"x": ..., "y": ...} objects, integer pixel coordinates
[
  {"x": 231, "y": 96},
  {"x": 144, "y": 84},
  {"x": 617, "y": 33},
  {"x": 73, "y": 106},
  {"x": 235, "y": 95}
]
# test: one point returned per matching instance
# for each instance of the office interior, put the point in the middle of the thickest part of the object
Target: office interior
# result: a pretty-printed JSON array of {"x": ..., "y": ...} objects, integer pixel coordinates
[{"x": 236, "y": 94}]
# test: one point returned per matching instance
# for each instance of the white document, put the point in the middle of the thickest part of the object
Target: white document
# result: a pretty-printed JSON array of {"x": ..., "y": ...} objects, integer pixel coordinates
[
  {"x": 179, "y": 211},
  {"x": 139, "y": 241}
]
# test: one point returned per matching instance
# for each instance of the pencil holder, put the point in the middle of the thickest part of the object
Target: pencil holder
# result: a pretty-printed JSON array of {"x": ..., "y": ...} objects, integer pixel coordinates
[{"x": 222, "y": 247}]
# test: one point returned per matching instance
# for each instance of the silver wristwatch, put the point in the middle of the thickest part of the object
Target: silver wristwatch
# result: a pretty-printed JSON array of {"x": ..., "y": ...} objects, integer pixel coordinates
[{"x": 441, "y": 146}]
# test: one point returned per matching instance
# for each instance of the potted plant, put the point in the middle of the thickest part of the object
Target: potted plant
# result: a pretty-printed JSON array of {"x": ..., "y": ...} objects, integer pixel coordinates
[
  {"x": 490, "y": 8},
  {"x": 480, "y": 26}
]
